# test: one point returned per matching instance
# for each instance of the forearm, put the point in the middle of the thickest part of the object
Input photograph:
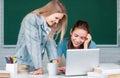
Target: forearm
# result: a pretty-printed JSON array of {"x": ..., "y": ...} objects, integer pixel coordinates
[{"x": 59, "y": 60}]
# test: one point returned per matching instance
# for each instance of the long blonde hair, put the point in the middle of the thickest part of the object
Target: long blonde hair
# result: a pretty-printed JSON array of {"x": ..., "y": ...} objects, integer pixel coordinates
[{"x": 54, "y": 6}]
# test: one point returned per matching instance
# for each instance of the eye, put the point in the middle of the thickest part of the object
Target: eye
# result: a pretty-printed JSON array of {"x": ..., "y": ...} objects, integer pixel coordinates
[
  {"x": 56, "y": 18},
  {"x": 75, "y": 35},
  {"x": 83, "y": 38}
]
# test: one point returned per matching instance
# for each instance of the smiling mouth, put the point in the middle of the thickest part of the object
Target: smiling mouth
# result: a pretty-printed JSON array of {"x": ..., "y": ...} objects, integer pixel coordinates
[{"x": 76, "y": 44}]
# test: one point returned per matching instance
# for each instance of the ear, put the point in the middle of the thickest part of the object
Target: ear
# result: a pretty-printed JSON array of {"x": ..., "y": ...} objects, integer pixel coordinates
[{"x": 71, "y": 31}]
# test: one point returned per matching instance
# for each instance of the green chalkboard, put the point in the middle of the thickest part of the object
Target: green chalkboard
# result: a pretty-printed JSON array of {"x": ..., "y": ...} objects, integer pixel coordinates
[{"x": 100, "y": 14}]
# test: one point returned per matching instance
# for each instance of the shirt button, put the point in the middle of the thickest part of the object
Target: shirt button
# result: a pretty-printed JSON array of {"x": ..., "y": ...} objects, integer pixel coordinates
[{"x": 20, "y": 56}]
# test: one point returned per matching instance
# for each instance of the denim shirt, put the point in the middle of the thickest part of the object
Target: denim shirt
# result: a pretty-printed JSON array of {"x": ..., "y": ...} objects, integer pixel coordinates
[
  {"x": 32, "y": 41},
  {"x": 63, "y": 46}
]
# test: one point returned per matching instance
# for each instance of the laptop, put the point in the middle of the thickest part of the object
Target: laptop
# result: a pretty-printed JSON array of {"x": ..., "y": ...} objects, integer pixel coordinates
[{"x": 81, "y": 61}]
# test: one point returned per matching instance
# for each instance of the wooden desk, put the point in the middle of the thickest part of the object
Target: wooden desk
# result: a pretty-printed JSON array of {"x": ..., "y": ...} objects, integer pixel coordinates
[
  {"x": 47, "y": 76},
  {"x": 114, "y": 76}
]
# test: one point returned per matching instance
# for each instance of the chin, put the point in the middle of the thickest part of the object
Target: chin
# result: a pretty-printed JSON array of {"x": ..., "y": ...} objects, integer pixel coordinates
[{"x": 76, "y": 46}]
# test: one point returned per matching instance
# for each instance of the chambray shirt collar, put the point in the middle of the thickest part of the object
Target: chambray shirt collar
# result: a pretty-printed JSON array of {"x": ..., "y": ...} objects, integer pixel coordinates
[{"x": 45, "y": 27}]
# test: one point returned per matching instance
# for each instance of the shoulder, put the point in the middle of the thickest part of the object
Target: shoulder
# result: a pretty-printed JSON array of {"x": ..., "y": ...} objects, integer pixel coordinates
[
  {"x": 92, "y": 44},
  {"x": 65, "y": 40},
  {"x": 34, "y": 18}
]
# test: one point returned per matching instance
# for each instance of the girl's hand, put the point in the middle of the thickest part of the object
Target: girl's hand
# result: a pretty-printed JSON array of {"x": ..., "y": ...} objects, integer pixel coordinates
[
  {"x": 61, "y": 70},
  {"x": 87, "y": 41}
]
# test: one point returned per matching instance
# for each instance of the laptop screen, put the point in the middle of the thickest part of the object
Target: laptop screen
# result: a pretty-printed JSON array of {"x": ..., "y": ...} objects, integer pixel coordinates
[{"x": 81, "y": 61}]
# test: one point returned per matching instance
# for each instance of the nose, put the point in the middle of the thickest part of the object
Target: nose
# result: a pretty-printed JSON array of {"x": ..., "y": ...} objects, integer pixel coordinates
[
  {"x": 78, "y": 40},
  {"x": 56, "y": 21}
]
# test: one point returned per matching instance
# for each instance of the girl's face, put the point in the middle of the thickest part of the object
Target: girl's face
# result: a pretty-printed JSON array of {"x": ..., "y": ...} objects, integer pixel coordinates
[
  {"x": 78, "y": 37},
  {"x": 54, "y": 19}
]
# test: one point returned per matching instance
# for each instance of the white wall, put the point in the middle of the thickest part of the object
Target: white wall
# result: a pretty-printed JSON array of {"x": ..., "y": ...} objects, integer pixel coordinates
[{"x": 106, "y": 54}]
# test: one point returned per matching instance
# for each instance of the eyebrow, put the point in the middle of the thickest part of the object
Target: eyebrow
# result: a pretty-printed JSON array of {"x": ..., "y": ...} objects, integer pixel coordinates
[{"x": 79, "y": 35}]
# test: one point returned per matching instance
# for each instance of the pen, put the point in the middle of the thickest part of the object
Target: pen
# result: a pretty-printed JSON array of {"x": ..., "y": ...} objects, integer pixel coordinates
[
  {"x": 14, "y": 59},
  {"x": 9, "y": 59},
  {"x": 6, "y": 60}
]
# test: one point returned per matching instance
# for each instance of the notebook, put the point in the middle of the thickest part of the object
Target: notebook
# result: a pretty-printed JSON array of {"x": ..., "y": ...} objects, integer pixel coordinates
[{"x": 81, "y": 61}]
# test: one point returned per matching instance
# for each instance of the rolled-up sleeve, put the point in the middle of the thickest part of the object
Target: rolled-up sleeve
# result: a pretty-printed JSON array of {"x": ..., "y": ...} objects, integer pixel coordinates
[{"x": 32, "y": 40}]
